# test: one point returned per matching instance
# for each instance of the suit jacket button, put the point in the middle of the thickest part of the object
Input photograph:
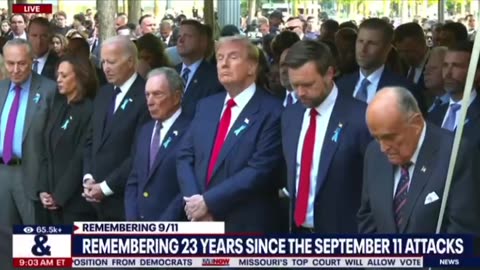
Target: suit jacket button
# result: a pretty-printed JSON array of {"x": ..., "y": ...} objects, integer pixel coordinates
[
  {"x": 145, "y": 194},
  {"x": 142, "y": 217}
]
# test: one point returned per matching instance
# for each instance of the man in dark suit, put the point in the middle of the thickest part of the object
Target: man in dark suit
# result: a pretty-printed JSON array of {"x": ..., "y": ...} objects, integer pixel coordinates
[
  {"x": 325, "y": 136},
  {"x": 412, "y": 48},
  {"x": 18, "y": 25},
  {"x": 200, "y": 76},
  {"x": 455, "y": 69},
  {"x": 228, "y": 157},
  {"x": 406, "y": 169},
  {"x": 26, "y": 101},
  {"x": 374, "y": 42},
  {"x": 152, "y": 191},
  {"x": 119, "y": 111},
  {"x": 45, "y": 60}
]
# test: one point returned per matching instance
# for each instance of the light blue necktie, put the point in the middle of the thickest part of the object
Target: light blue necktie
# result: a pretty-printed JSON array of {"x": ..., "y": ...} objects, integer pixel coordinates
[
  {"x": 362, "y": 93},
  {"x": 451, "y": 117}
]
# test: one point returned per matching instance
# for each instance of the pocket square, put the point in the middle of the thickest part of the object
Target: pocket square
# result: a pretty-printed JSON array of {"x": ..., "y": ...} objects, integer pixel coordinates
[{"x": 431, "y": 197}]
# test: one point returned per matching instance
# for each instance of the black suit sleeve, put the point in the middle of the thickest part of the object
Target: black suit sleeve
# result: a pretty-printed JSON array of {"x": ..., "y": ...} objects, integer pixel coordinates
[
  {"x": 462, "y": 214},
  {"x": 366, "y": 223},
  {"x": 87, "y": 149}
]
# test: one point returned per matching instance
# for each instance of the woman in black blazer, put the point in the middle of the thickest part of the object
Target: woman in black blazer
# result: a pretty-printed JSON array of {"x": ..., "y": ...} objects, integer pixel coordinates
[{"x": 60, "y": 186}]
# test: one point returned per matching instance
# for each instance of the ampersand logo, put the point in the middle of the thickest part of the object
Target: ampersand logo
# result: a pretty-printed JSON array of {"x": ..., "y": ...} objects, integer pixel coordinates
[{"x": 40, "y": 249}]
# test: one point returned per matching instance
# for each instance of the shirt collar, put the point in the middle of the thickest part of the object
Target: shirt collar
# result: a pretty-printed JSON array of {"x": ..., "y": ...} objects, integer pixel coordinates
[
  {"x": 169, "y": 122},
  {"x": 244, "y": 97},
  {"x": 419, "y": 145},
  {"x": 25, "y": 85},
  {"x": 473, "y": 95},
  {"x": 43, "y": 58},
  {"x": 128, "y": 83},
  {"x": 329, "y": 101},
  {"x": 193, "y": 67},
  {"x": 374, "y": 77}
]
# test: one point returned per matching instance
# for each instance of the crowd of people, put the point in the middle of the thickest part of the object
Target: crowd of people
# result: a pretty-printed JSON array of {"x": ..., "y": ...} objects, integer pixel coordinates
[{"x": 348, "y": 130}]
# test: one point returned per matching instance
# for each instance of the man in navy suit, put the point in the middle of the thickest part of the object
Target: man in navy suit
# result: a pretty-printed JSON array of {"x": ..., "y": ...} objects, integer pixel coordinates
[
  {"x": 152, "y": 191},
  {"x": 119, "y": 110},
  {"x": 373, "y": 45},
  {"x": 200, "y": 76},
  {"x": 228, "y": 159},
  {"x": 324, "y": 138},
  {"x": 406, "y": 169},
  {"x": 455, "y": 69}
]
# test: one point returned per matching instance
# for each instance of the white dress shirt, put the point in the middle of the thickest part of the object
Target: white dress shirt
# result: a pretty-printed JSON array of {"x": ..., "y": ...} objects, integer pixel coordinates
[
  {"x": 41, "y": 62},
  {"x": 241, "y": 100},
  {"x": 22, "y": 36},
  {"x": 294, "y": 97},
  {"x": 374, "y": 79},
  {"x": 413, "y": 160},
  {"x": 419, "y": 69},
  {"x": 323, "y": 117},
  {"x": 124, "y": 88},
  {"x": 166, "y": 125},
  {"x": 473, "y": 95}
]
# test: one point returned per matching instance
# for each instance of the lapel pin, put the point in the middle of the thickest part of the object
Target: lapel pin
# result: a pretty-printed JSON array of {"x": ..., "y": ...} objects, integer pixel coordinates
[
  {"x": 36, "y": 99},
  {"x": 195, "y": 81},
  {"x": 423, "y": 169},
  {"x": 175, "y": 132},
  {"x": 337, "y": 131},
  {"x": 125, "y": 102},
  {"x": 246, "y": 121},
  {"x": 66, "y": 123},
  {"x": 167, "y": 142}
]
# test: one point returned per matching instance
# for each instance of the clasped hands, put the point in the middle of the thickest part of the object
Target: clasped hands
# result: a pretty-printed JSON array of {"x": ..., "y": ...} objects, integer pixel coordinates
[
  {"x": 47, "y": 201},
  {"x": 92, "y": 191},
  {"x": 196, "y": 209}
]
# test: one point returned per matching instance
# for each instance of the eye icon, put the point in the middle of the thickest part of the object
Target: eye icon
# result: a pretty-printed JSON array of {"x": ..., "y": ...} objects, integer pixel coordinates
[{"x": 28, "y": 230}]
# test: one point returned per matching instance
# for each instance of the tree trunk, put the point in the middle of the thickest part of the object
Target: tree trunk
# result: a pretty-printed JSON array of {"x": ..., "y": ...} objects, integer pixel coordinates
[
  {"x": 157, "y": 9},
  {"x": 9, "y": 4},
  {"x": 134, "y": 11},
  {"x": 251, "y": 10},
  {"x": 106, "y": 17},
  {"x": 209, "y": 15},
  {"x": 20, "y": 1},
  {"x": 60, "y": 5}
]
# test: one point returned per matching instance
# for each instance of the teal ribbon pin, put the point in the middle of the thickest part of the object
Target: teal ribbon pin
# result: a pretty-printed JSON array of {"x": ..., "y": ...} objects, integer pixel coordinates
[
  {"x": 240, "y": 129},
  {"x": 336, "y": 133},
  {"x": 65, "y": 124},
  {"x": 169, "y": 139},
  {"x": 125, "y": 102},
  {"x": 36, "y": 99}
]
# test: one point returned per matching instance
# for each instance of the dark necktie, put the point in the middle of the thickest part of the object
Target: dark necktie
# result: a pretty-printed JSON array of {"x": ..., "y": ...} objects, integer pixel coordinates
[
  {"x": 303, "y": 192},
  {"x": 220, "y": 138},
  {"x": 289, "y": 99},
  {"x": 10, "y": 130},
  {"x": 111, "y": 110},
  {"x": 400, "y": 198},
  {"x": 94, "y": 45},
  {"x": 411, "y": 75},
  {"x": 362, "y": 93},
  {"x": 35, "y": 66},
  {"x": 185, "y": 74},
  {"x": 155, "y": 145}
]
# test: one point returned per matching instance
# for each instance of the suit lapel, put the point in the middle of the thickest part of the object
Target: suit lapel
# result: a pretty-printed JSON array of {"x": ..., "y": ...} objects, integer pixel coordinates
[
  {"x": 4, "y": 88},
  {"x": 167, "y": 144},
  {"x": 58, "y": 108},
  {"x": 293, "y": 131},
  {"x": 473, "y": 111},
  {"x": 333, "y": 137},
  {"x": 209, "y": 130},
  {"x": 123, "y": 108},
  {"x": 34, "y": 97},
  {"x": 243, "y": 122},
  {"x": 385, "y": 181},
  {"x": 144, "y": 172},
  {"x": 421, "y": 175}
]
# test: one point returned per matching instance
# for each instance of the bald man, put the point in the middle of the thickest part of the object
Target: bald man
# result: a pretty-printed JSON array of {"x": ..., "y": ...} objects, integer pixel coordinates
[{"x": 417, "y": 155}]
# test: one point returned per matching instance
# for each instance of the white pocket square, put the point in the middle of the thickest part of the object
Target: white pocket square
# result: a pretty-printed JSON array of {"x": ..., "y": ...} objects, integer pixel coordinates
[{"x": 431, "y": 197}]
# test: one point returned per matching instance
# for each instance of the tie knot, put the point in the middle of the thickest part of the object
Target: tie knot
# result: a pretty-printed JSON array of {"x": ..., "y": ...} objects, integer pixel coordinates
[
  {"x": 17, "y": 88},
  {"x": 455, "y": 107},
  {"x": 117, "y": 90},
  {"x": 186, "y": 71},
  {"x": 313, "y": 112},
  {"x": 231, "y": 103},
  {"x": 405, "y": 167},
  {"x": 158, "y": 126},
  {"x": 365, "y": 82}
]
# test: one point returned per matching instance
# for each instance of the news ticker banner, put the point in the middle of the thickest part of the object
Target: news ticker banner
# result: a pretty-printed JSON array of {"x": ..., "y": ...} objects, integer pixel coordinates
[{"x": 204, "y": 244}]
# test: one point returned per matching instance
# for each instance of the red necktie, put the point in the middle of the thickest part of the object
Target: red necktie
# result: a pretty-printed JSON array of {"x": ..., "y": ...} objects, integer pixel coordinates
[
  {"x": 305, "y": 169},
  {"x": 220, "y": 138}
]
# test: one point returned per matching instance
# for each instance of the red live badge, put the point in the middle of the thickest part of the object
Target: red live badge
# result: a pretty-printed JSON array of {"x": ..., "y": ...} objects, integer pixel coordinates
[{"x": 32, "y": 8}]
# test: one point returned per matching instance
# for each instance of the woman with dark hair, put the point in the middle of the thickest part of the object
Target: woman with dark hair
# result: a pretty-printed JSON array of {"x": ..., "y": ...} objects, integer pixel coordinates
[
  {"x": 79, "y": 47},
  {"x": 60, "y": 185},
  {"x": 151, "y": 52}
]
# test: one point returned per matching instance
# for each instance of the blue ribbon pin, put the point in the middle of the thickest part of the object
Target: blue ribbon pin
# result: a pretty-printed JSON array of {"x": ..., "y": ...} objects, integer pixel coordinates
[
  {"x": 169, "y": 139},
  {"x": 466, "y": 121},
  {"x": 36, "y": 99},
  {"x": 336, "y": 133},
  {"x": 125, "y": 102},
  {"x": 240, "y": 129},
  {"x": 65, "y": 124}
]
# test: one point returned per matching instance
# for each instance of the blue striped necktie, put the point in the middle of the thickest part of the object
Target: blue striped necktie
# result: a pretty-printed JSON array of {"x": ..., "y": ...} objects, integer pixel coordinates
[{"x": 400, "y": 199}]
